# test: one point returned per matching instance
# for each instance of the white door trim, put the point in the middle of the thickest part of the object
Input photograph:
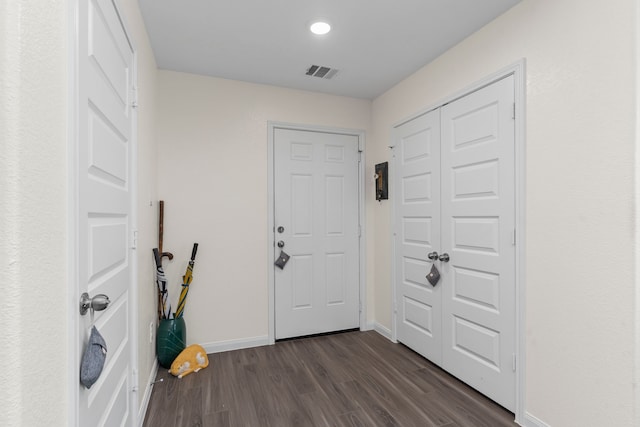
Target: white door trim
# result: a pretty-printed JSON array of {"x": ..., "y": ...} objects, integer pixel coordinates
[
  {"x": 518, "y": 71},
  {"x": 73, "y": 297},
  {"x": 270, "y": 215},
  {"x": 73, "y": 363},
  {"x": 137, "y": 418},
  {"x": 636, "y": 371}
]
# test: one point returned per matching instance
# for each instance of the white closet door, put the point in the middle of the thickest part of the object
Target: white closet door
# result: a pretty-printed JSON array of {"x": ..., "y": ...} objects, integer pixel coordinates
[
  {"x": 478, "y": 226},
  {"x": 417, "y": 233},
  {"x": 455, "y": 195},
  {"x": 104, "y": 176}
]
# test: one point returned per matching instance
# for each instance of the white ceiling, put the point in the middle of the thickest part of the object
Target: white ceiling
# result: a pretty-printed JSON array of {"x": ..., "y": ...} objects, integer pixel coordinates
[{"x": 373, "y": 43}]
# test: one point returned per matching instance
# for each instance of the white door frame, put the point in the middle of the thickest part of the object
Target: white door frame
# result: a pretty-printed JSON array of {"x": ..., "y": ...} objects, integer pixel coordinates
[
  {"x": 73, "y": 296},
  {"x": 636, "y": 371},
  {"x": 272, "y": 126},
  {"x": 518, "y": 71}
]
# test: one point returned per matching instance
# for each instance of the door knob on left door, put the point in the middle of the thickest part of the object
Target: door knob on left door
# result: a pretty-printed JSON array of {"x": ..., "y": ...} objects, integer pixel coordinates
[
  {"x": 281, "y": 244},
  {"x": 97, "y": 303}
]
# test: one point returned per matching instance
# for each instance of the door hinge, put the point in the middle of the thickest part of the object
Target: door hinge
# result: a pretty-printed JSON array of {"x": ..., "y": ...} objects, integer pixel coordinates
[
  {"x": 134, "y": 97},
  {"x": 134, "y": 380},
  {"x": 513, "y": 114},
  {"x": 359, "y": 230},
  {"x": 513, "y": 362},
  {"x": 513, "y": 237},
  {"x": 360, "y": 306},
  {"x": 134, "y": 239}
]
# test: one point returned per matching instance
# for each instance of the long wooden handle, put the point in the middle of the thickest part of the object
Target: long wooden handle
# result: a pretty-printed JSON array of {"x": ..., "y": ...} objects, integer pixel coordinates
[
  {"x": 161, "y": 233},
  {"x": 161, "y": 226}
]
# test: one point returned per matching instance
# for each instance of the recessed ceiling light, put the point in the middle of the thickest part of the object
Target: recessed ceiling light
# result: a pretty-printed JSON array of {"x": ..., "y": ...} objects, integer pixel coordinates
[{"x": 320, "y": 28}]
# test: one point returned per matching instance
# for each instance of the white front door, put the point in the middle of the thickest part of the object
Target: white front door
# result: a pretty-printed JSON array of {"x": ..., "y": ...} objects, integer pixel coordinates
[
  {"x": 316, "y": 219},
  {"x": 455, "y": 187},
  {"x": 104, "y": 203}
]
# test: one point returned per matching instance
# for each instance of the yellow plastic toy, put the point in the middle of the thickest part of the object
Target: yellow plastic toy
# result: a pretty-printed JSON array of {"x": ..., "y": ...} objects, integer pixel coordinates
[{"x": 191, "y": 359}]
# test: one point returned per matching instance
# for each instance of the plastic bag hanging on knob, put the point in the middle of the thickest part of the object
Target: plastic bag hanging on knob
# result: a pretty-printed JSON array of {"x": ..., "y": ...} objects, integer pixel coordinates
[{"x": 434, "y": 275}]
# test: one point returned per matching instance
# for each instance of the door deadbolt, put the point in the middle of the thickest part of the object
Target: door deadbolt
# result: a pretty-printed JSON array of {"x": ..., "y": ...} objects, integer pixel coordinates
[{"x": 281, "y": 229}]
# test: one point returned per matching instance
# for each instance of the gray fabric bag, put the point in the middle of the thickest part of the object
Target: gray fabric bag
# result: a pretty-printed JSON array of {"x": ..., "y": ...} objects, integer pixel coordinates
[
  {"x": 434, "y": 275},
  {"x": 282, "y": 260},
  {"x": 93, "y": 359}
]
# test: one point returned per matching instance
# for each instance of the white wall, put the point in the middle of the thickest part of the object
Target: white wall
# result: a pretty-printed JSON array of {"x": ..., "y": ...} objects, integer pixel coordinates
[
  {"x": 212, "y": 174},
  {"x": 33, "y": 213},
  {"x": 579, "y": 228}
]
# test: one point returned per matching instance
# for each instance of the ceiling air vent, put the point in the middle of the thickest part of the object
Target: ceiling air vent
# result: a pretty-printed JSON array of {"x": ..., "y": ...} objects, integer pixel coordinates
[{"x": 322, "y": 72}]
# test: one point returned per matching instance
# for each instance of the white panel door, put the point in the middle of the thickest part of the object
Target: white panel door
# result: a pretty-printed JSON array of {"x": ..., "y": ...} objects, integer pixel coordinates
[
  {"x": 316, "y": 218},
  {"x": 478, "y": 226},
  {"x": 105, "y": 126},
  {"x": 455, "y": 195},
  {"x": 417, "y": 233}
]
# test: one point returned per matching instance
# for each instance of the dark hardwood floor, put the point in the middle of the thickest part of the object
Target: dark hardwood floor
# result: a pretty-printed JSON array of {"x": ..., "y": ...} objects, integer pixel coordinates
[{"x": 348, "y": 379}]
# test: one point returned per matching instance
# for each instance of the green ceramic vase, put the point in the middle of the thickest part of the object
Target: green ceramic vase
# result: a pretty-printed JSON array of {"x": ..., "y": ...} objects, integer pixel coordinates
[{"x": 170, "y": 340}]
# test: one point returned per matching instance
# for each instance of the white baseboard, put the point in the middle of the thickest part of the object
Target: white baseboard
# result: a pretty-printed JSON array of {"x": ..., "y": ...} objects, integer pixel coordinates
[
  {"x": 385, "y": 332},
  {"x": 369, "y": 326},
  {"x": 220, "y": 346},
  {"x": 147, "y": 394},
  {"x": 531, "y": 421}
]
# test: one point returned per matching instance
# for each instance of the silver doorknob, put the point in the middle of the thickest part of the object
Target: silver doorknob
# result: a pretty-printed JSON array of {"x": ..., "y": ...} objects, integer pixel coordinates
[
  {"x": 444, "y": 257},
  {"x": 432, "y": 256},
  {"x": 281, "y": 244},
  {"x": 97, "y": 303}
]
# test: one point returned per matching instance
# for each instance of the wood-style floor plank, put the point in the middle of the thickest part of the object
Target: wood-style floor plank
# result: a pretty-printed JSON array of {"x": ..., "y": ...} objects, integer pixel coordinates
[{"x": 353, "y": 379}]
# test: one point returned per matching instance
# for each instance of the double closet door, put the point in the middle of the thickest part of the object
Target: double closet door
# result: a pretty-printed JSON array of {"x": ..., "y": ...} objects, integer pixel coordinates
[{"x": 455, "y": 210}]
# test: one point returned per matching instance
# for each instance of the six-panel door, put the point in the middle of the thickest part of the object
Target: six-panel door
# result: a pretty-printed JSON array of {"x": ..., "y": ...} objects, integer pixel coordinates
[{"x": 316, "y": 206}]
